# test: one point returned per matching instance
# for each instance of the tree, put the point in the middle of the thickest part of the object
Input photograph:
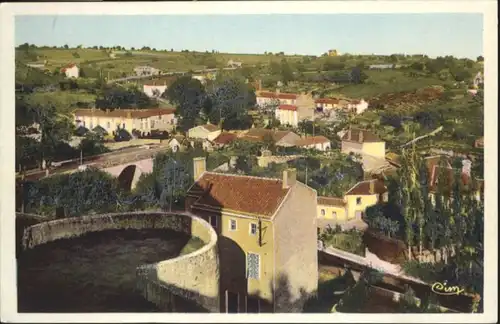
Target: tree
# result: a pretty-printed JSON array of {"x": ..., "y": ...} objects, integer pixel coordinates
[
  {"x": 116, "y": 97},
  {"x": 66, "y": 46},
  {"x": 230, "y": 100},
  {"x": 190, "y": 98},
  {"x": 480, "y": 58},
  {"x": 286, "y": 71}
]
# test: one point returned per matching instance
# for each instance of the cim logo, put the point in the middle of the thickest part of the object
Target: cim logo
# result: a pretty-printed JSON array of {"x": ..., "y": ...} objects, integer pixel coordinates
[{"x": 442, "y": 289}]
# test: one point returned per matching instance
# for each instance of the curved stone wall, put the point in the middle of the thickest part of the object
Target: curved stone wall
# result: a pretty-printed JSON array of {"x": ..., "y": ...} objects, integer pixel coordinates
[{"x": 193, "y": 277}]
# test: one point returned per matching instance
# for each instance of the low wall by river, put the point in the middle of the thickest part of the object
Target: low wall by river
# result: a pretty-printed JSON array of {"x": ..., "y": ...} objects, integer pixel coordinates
[{"x": 191, "y": 278}]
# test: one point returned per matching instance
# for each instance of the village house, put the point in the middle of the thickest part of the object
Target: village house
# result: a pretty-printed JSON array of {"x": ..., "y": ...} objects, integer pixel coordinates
[
  {"x": 71, "y": 71},
  {"x": 234, "y": 64},
  {"x": 40, "y": 66},
  {"x": 351, "y": 208},
  {"x": 267, "y": 238},
  {"x": 319, "y": 143},
  {"x": 154, "y": 90},
  {"x": 206, "y": 131},
  {"x": 327, "y": 104},
  {"x": 360, "y": 141},
  {"x": 202, "y": 78},
  {"x": 280, "y": 138},
  {"x": 266, "y": 98},
  {"x": 142, "y": 120},
  {"x": 178, "y": 143},
  {"x": 146, "y": 70},
  {"x": 357, "y": 106},
  {"x": 223, "y": 139},
  {"x": 303, "y": 109},
  {"x": 439, "y": 169}
]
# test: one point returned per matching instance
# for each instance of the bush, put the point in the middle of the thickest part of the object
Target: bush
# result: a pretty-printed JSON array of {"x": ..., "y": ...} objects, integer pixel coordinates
[{"x": 350, "y": 241}]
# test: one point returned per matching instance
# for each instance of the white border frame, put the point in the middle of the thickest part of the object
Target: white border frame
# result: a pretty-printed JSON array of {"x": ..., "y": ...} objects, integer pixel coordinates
[{"x": 8, "y": 272}]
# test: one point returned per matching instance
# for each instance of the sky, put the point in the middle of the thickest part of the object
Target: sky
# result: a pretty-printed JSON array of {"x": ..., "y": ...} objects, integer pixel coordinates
[{"x": 433, "y": 34}]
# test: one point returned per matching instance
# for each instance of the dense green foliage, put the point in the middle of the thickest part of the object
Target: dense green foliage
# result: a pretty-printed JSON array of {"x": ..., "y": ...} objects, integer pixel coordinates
[{"x": 350, "y": 240}]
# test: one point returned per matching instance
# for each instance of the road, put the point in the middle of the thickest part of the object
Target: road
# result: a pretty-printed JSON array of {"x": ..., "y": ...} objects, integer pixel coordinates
[
  {"x": 100, "y": 161},
  {"x": 140, "y": 77}
]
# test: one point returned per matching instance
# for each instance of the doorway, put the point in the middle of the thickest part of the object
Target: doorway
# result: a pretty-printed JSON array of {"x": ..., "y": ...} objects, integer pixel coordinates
[
  {"x": 232, "y": 301},
  {"x": 253, "y": 304}
]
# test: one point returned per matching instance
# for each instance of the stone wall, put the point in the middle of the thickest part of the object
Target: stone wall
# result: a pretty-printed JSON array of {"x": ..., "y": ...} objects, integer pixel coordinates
[{"x": 192, "y": 278}]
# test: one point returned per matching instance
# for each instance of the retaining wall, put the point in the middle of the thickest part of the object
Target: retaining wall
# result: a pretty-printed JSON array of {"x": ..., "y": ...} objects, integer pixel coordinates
[{"x": 192, "y": 278}]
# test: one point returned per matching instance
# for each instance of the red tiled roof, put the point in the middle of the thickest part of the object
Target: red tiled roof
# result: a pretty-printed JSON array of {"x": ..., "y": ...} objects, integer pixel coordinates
[
  {"x": 369, "y": 187},
  {"x": 331, "y": 201},
  {"x": 312, "y": 140},
  {"x": 332, "y": 101},
  {"x": 225, "y": 138},
  {"x": 287, "y": 107},
  {"x": 243, "y": 194},
  {"x": 353, "y": 135},
  {"x": 124, "y": 113},
  {"x": 69, "y": 66},
  {"x": 258, "y": 134},
  {"x": 268, "y": 94}
]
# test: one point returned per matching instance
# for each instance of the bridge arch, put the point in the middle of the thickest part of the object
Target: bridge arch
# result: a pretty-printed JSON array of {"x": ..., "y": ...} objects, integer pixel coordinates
[{"x": 128, "y": 174}]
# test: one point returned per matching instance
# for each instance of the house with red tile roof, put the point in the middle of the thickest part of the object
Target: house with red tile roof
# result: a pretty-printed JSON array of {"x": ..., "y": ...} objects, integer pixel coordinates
[
  {"x": 266, "y": 234},
  {"x": 265, "y": 98},
  {"x": 303, "y": 109},
  {"x": 142, "y": 120},
  {"x": 326, "y": 104},
  {"x": 71, "y": 71},
  {"x": 223, "y": 139},
  {"x": 362, "y": 141},
  {"x": 281, "y": 138}
]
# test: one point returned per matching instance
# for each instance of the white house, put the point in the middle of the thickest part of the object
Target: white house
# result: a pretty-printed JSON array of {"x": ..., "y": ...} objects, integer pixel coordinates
[
  {"x": 357, "y": 106},
  {"x": 71, "y": 71},
  {"x": 234, "y": 64},
  {"x": 146, "y": 70},
  {"x": 325, "y": 104},
  {"x": 319, "y": 143},
  {"x": 207, "y": 131},
  {"x": 153, "y": 90},
  {"x": 265, "y": 98}
]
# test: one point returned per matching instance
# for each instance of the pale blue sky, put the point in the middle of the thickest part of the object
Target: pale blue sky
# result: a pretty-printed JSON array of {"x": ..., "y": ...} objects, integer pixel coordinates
[{"x": 455, "y": 34}]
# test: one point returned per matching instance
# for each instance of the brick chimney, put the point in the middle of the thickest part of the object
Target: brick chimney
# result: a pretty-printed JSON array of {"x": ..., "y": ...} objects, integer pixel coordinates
[
  {"x": 360, "y": 138},
  {"x": 466, "y": 167},
  {"x": 372, "y": 186},
  {"x": 278, "y": 90},
  {"x": 289, "y": 178},
  {"x": 199, "y": 166}
]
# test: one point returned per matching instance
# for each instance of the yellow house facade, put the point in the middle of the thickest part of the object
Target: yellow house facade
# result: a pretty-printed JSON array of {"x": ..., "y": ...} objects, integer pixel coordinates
[
  {"x": 267, "y": 235},
  {"x": 333, "y": 210},
  {"x": 362, "y": 141},
  {"x": 143, "y": 120}
]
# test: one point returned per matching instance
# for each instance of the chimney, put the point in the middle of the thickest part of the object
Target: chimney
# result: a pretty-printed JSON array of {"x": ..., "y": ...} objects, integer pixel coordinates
[
  {"x": 199, "y": 166},
  {"x": 277, "y": 90},
  {"x": 289, "y": 178},
  {"x": 372, "y": 186},
  {"x": 466, "y": 167},
  {"x": 360, "y": 138}
]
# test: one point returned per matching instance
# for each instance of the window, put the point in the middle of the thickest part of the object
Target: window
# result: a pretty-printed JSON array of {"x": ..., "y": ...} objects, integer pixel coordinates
[
  {"x": 358, "y": 201},
  {"x": 213, "y": 221},
  {"x": 253, "y": 228},
  {"x": 253, "y": 265},
  {"x": 108, "y": 125},
  {"x": 123, "y": 125},
  {"x": 334, "y": 214},
  {"x": 322, "y": 212},
  {"x": 232, "y": 225},
  {"x": 91, "y": 125}
]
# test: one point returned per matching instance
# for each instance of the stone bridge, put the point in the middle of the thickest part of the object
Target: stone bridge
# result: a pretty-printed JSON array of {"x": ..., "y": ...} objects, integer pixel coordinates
[{"x": 128, "y": 174}]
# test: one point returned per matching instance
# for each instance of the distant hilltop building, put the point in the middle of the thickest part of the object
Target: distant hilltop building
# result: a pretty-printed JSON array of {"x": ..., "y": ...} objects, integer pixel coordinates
[
  {"x": 71, "y": 71},
  {"x": 234, "y": 64},
  {"x": 333, "y": 52},
  {"x": 146, "y": 70}
]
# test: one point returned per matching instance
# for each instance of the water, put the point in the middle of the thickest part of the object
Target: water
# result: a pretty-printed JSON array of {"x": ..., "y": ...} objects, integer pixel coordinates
[{"x": 92, "y": 273}]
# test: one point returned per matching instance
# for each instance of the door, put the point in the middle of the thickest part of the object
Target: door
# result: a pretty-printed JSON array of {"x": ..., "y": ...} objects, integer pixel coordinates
[
  {"x": 253, "y": 305},
  {"x": 231, "y": 302}
]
